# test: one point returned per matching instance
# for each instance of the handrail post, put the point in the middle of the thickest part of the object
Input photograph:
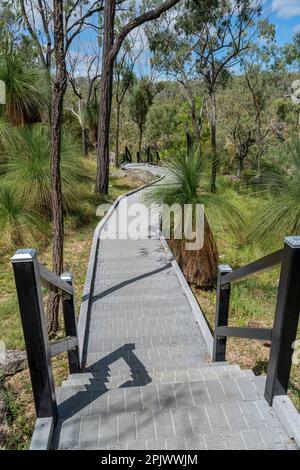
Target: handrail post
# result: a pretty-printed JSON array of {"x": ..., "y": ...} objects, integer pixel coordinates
[
  {"x": 68, "y": 304},
  {"x": 221, "y": 316},
  {"x": 27, "y": 278},
  {"x": 285, "y": 321}
]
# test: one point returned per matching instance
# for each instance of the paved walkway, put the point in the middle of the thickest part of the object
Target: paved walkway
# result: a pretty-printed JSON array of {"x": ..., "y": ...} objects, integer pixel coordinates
[{"x": 148, "y": 383}]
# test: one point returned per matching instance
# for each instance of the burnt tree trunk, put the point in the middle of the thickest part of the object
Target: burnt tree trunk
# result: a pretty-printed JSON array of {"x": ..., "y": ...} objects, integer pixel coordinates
[
  {"x": 59, "y": 89},
  {"x": 105, "y": 99}
]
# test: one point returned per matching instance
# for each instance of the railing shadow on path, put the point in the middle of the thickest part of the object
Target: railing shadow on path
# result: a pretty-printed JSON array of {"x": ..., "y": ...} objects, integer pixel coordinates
[
  {"x": 100, "y": 373},
  {"x": 129, "y": 281}
]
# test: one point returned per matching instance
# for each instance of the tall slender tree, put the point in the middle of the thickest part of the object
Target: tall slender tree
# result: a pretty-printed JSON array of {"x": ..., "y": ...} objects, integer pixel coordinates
[
  {"x": 66, "y": 19},
  {"x": 111, "y": 48}
]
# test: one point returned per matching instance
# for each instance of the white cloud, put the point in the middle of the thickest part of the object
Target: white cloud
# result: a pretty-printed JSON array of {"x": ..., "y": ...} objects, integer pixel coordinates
[{"x": 286, "y": 8}]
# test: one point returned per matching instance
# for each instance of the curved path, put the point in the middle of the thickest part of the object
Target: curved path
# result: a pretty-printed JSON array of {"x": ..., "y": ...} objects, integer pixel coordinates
[{"x": 148, "y": 382}]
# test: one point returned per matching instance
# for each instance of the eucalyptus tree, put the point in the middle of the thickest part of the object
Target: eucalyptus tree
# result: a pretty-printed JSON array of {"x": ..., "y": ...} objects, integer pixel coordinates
[
  {"x": 140, "y": 101},
  {"x": 124, "y": 76},
  {"x": 111, "y": 47},
  {"x": 85, "y": 89},
  {"x": 263, "y": 69},
  {"x": 222, "y": 35},
  {"x": 58, "y": 24},
  {"x": 172, "y": 56},
  {"x": 206, "y": 40}
]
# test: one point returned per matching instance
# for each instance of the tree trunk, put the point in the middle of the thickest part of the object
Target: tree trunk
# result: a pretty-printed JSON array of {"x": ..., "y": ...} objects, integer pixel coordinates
[
  {"x": 59, "y": 89},
  {"x": 85, "y": 141},
  {"x": 117, "y": 133},
  {"x": 196, "y": 127},
  {"x": 199, "y": 267},
  {"x": 102, "y": 176},
  {"x": 213, "y": 132},
  {"x": 140, "y": 139},
  {"x": 240, "y": 166},
  {"x": 259, "y": 143}
]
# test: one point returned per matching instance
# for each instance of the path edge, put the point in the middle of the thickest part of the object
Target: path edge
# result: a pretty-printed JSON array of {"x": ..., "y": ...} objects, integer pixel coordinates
[{"x": 84, "y": 314}]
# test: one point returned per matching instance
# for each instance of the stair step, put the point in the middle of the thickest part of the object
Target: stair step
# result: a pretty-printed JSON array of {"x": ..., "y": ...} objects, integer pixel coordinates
[
  {"x": 104, "y": 344},
  {"x": 172, "y": 376},
  {"x": 233, "y": 425},
  {"x": 152, "y": 370},
  {"x": 96, "y": 397}
]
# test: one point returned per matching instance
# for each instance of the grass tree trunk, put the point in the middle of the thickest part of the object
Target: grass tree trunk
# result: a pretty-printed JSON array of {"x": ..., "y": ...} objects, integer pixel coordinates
[
  {"x": 117, "y": 133},
  {"x": 105, "y": 99},
  {"x": 85, "y": 141},
  {"x": 213, "y": 133},
  {"x": 199, "y": 267},
  {"x": 59, "y": 89}
]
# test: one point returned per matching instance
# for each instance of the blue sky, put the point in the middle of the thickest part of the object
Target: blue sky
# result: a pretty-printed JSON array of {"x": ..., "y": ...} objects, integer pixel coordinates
[{"x": 285, "y": 14}]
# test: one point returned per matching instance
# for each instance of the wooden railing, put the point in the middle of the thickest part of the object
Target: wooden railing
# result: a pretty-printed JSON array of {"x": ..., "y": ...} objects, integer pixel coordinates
[
  {"x": 284, "y": 330},
  {"x": 30, "y": 275}
]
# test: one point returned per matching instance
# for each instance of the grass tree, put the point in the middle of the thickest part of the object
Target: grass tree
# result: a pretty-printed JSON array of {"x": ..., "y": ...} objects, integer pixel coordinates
[
  {"x": 187, "y": 184},
  {"x": 279, "y": 215},
  {"x": 17, "y": 220},
  {"x": 27, "y": 91},
  {"x": 27, "y": 154}
]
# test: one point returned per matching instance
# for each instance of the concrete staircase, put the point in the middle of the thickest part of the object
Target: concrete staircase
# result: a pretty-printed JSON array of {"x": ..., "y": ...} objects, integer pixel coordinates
[{"x": 205, "y": 407}]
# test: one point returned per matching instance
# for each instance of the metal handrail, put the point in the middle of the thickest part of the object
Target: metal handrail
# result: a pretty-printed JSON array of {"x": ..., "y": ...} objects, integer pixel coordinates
[
  {"x": 262, "y": 264},
  {"x": 284, "y": 331},
  {"x": 52, "y": 280},
  {"x": 30, "y": 275}
]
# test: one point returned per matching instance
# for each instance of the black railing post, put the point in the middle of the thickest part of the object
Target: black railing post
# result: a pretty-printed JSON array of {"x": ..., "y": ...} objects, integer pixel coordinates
[
  {"x": 285, "y": 321},
  {"x": 221, "y": 317},
  {"x": 27, "y": 278},
  {"x": 68, "y": 303}
]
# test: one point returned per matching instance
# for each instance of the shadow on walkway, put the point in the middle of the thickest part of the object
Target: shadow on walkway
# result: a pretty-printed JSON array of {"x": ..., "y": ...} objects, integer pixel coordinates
[
  {"x": 129, "y": 281},
  {"x": 100, "y": 372}
]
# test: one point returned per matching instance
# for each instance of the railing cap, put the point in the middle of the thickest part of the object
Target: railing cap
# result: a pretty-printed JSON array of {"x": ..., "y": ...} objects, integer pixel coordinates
[
  {"x": 224, "y": 268},
  {"x": 29, "y": 254},
  {"x": 66, "y": 277},
  {"x": 294, "y": 242}
]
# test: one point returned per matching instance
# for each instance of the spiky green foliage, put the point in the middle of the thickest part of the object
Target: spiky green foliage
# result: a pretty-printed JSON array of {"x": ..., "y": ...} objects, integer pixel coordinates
[
  {"x": 187, "y": 183},
  {"x": 27, "y": 91},
  {"x": 280, "y": 214},
  {"x": 16, "y": 219},
  {"x": 28, "y": 167}
]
